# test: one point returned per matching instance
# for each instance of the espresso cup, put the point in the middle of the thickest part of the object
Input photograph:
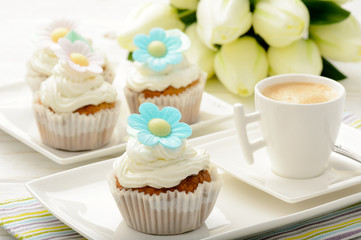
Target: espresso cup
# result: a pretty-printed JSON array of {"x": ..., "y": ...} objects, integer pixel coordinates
[{"x": 298, "y": 134}]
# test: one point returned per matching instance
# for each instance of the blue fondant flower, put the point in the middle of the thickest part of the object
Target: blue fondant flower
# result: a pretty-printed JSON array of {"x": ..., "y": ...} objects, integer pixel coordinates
[
  {"x": 160, "y": 48},
  {"x": 156, "y": 126}
]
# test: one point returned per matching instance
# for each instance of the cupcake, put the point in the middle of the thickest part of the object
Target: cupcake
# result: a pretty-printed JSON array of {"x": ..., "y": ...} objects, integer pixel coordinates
[
  {"x": 75, "y": 108},
  {"x": 161, "y": 74},
  {"x": 161, "y": 184},
  {"x": 42, "y": 62}
]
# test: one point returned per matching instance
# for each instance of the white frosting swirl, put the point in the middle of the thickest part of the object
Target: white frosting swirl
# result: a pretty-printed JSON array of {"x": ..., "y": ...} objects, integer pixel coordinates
[
  {"x": 43, "y": 61},
  {"x": 158, "y": 166},
  {"x": 68, "y": 90},
  {"x": 180, "y": 75}
]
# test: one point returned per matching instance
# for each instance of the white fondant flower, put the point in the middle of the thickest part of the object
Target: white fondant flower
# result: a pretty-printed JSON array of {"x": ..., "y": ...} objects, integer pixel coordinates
[
  {"x": 50, "y": 34},
  {"x": 78, "y": 56}
]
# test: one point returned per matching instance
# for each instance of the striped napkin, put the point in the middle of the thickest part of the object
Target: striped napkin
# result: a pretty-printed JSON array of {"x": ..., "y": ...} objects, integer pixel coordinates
[
  {"x": 344, "y": 223},
  {"x": 352, "y": 120},
  {"x": 26, "y": 218}
]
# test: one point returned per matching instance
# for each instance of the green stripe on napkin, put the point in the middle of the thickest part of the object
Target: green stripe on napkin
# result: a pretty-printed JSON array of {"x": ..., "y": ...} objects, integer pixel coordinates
[
  {"x": 26, "y": 218},
  {"x": 344, "y": 223}
]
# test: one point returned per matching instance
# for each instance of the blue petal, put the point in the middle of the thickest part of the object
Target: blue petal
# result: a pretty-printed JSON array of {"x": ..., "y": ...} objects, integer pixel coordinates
[
  {"x": 147, "y": 138},
  {"x": 158, "y": 64},
  {"x": 174, "y": 58},
  {"x": 170, "y": 141},
  {"x": 186, "y": 43},
  {"x": 148, "y": 111},
  {"x": 181, "y": 130},
  {"x": 173, "y": 43},
  {"x": 138, "y": 122},
  {"x": 141, "y": 55},
  {"x": 141, "y": 41},
  {"x": 170, "y": 114},
  {"x": 157, "y": 34}
]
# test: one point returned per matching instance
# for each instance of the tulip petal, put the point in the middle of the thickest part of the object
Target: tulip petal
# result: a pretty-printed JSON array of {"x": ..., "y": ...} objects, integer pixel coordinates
[
  {"x": 222, "y": 21},
  {"x": 199, "y": 53},
  {"x": 145, "y": 17},
  {"x": 302, "y": 56},
  {"x": 185, "y": 4},
  {"x": 340, "y": 41},
  {"x": 281, "y": 22},
  {"x": 240, "y": 65}
]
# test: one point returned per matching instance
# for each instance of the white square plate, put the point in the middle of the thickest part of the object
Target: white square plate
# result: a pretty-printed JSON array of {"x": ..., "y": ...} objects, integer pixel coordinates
[
  {"x": 16, "y": 118},
  {"x": 81, "y": 199},
  {"x": 341, "y": 172}
]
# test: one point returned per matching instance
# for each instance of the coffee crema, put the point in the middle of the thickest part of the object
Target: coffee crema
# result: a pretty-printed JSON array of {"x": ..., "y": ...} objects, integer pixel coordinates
[{"x": 300, "y": 92}]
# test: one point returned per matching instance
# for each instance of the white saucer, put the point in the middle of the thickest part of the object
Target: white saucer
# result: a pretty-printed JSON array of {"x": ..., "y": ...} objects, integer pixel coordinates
[
  {"x": 81, "y": 199},
  {"x": 16, "y": 118},
  {"x": 341, "y": 173}
]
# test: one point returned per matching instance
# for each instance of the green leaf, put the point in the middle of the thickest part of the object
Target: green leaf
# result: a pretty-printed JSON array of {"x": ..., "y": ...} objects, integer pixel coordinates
[
  {"x": 187, "y": 16},
  {"x": 331, "y": 71},
  {"x": 130, "y": 57},
  {"x": 253, "y": 4},
  {"x": 325, "y": 12},
  {"x": 258, "y": 38}
]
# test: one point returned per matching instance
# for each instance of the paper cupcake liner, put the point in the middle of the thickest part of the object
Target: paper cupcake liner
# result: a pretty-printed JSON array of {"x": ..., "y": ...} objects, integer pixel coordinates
[
  {"x": 187, "y": 102},
  {"x": 74, "y": 131},
  {"x": 167, "y": 213}
]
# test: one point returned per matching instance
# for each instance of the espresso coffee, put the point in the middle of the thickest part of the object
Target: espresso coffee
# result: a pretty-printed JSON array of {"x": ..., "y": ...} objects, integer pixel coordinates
[{"x": 300, "y": 92}]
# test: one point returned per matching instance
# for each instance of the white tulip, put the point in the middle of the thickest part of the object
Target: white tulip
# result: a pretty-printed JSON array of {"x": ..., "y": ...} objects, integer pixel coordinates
[
  {"x": 240, "y": 64},
  {"x": 301, "y": 56},
  {"x": 339, "y": 41},
  {"x": 222, "y": 21},
  {"x": 199, "y": 53},
  {"x": 185, "y": 4},
  {"x": 145, "y": 17},
  {"x": 280, "y": 22}
]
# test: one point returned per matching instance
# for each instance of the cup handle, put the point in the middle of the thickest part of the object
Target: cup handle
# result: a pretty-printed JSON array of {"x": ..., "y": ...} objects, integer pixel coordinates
[{"x": 241, "y": 122}]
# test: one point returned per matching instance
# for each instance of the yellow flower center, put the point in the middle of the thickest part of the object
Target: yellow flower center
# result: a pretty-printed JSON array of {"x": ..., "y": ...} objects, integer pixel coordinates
[
  {"x": 58, "y": 33},
  {"x": 159, "y": 127},
  {"x": 79, "y": 59},
  {"x": 157, "y": 49}
]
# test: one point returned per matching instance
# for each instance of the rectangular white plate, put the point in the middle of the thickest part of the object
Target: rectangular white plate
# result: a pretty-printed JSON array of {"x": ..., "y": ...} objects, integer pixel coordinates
[
  {"x": 81, "y": 199},
  {"x": 341, "y": 172},
  {"x": 16, "y": 118}
]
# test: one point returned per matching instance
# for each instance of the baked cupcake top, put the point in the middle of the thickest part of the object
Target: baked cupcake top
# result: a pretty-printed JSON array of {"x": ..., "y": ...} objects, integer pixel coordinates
[
  {"x": 160, "y": 62},
  {"x": 158, "y": 155},
  {"x": 76, "y": 79}
]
